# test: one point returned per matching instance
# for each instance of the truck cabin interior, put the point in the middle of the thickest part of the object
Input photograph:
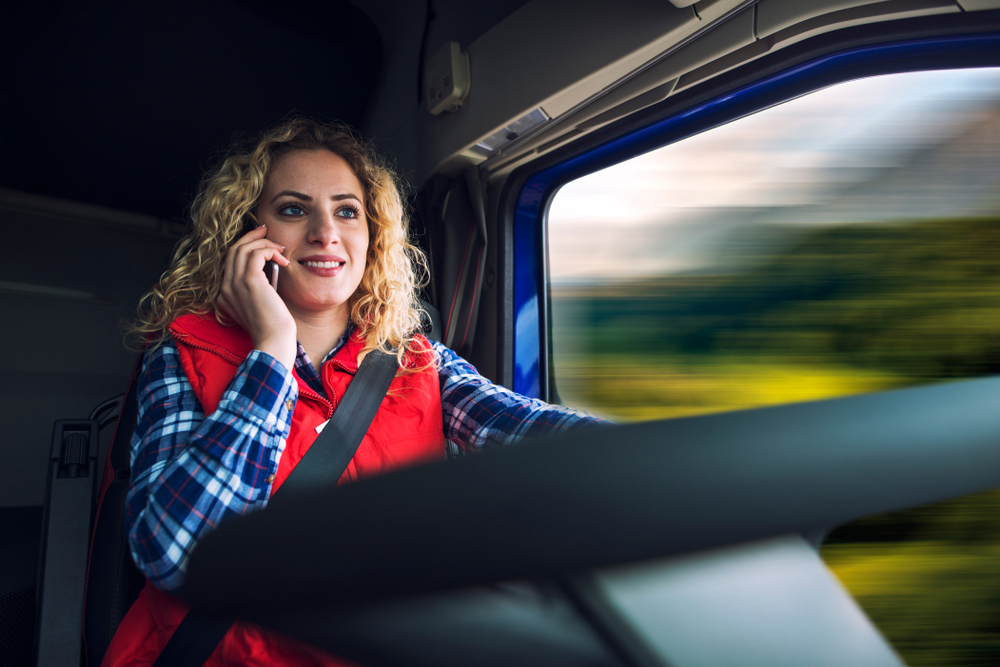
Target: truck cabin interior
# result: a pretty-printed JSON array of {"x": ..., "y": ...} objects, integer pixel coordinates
[{"x": 109, "y": 116}]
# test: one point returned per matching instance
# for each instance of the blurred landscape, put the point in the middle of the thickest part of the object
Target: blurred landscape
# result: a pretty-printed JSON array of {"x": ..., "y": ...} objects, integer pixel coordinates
[{"x": 882, "y": 278}]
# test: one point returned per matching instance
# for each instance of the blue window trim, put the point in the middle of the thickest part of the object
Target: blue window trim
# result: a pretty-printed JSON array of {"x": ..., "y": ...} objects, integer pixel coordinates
[{"x": 532, "y": 203}]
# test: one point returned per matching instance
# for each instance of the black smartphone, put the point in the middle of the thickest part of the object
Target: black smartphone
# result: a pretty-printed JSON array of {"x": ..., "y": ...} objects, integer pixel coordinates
[
  {"x": 271, "y": 271},
  {"x": 270, "y": 268}
]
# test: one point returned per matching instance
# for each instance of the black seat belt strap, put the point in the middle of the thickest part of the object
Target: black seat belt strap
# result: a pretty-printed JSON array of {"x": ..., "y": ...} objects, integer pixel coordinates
[
  {"x": 326, "y": 460},
  {"x": 194, "y": 641},
  {"x": 340, "y": 438}
]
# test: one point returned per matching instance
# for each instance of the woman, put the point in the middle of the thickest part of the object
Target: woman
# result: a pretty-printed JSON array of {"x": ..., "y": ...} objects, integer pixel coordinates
[{"x": 238, "y": 374}]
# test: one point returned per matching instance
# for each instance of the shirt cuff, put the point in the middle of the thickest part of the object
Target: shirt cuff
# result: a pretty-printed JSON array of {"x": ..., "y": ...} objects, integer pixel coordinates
[{"x": 265, "y": 392}]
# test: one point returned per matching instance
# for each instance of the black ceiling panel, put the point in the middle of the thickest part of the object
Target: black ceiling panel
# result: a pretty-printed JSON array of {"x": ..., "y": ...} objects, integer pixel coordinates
[{"x": 124, "y": 104}]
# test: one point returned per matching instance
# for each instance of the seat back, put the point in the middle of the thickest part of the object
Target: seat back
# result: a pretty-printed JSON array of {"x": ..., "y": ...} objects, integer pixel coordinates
[
  {"x": 70, "y": 489},
  {"x": 113, "y": 581}
]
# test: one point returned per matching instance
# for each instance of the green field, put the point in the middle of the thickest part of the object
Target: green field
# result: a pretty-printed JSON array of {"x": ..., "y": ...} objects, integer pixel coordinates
[{"x": 845, "y": 310}]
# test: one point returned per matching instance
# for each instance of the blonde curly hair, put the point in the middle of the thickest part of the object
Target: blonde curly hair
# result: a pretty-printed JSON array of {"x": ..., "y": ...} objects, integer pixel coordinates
[{"x": 385, "y": 308}]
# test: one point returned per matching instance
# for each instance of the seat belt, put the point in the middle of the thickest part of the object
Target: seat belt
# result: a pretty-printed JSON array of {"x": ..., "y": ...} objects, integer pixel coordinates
[{"x": 197, "y": 636}]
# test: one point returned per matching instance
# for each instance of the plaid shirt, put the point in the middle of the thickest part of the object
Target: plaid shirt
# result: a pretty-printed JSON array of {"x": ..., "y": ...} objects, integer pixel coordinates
[{"x": 191, "y": 472}]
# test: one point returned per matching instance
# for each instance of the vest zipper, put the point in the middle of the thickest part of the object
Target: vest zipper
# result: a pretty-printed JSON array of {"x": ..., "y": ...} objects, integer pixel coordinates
[{"x": 307, "y": 391}]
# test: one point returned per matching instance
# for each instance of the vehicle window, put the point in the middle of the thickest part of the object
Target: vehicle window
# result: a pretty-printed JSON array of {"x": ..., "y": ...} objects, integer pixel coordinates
[{"x": 844, "y": 242}]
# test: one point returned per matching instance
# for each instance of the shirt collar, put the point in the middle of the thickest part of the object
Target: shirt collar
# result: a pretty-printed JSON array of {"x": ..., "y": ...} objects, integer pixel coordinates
[{"x": 305, "y": 368}]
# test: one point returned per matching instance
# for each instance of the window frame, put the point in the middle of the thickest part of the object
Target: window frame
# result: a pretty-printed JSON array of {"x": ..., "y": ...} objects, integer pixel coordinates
[{"x": 524, "y": 354}]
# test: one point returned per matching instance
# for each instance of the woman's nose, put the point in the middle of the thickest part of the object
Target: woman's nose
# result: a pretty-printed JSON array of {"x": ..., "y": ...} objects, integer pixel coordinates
[{"x": 323, "y": 229}]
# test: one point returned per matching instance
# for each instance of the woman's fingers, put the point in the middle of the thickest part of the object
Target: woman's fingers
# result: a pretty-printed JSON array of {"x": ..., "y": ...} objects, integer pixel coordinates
[
  {"x": 247, "y": 296},
  {"x": 253, "y": 248},
  {"x": 250, "y": 300}
]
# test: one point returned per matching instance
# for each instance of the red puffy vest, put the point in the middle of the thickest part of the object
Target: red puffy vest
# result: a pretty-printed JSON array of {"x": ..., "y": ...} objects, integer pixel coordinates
[{"x": 407, "y": 430}]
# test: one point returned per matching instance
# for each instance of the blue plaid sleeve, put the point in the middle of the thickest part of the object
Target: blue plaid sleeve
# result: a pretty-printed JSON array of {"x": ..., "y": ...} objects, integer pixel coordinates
[
  {"x": 477, "y": 412},
  {"x": 191, "y": 471}
]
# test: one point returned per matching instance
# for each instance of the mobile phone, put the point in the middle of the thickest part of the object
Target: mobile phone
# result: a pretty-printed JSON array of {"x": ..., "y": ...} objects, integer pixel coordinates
[{"x": 271, "y": 271}]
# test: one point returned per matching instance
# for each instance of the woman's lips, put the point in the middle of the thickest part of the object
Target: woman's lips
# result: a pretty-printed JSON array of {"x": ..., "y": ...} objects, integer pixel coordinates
[{"x": 323, "y": 266}]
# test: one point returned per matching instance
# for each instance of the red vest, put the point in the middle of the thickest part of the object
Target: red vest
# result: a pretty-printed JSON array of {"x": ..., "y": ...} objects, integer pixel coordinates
[{"x": 407, "y": 430}]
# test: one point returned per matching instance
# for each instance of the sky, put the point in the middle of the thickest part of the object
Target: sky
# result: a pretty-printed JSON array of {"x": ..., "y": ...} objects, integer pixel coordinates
[{"x": 801, "y": 152}]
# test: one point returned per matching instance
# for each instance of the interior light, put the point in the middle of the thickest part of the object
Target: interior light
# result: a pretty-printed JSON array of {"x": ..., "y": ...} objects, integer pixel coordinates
[{"x": 509, "y": 133}]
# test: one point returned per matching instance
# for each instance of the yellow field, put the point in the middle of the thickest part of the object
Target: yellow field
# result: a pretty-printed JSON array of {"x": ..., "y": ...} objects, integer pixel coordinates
[
  {"x": 935, "y": 600},
  {"x": 623, "y": 389}
]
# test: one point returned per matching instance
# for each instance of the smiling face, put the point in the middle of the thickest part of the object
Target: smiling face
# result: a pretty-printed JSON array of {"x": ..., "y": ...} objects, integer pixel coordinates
[{"x": 313, "y": 204}]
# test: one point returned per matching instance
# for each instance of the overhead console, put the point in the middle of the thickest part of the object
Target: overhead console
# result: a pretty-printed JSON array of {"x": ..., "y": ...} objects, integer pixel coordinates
[{"x": 554, "y": 70}]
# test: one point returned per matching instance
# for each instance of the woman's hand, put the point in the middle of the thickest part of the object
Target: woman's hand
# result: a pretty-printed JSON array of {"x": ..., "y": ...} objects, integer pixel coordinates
[{"x": 249, "y": 299}]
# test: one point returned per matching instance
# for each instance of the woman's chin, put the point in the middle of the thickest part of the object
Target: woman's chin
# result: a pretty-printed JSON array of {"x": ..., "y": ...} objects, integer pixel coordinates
[{"x": 330, "y": 305}]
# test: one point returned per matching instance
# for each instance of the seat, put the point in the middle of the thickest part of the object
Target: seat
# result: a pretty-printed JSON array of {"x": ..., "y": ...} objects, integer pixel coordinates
[
  {"x": 85, "y": 573},
  {"x": 113, "y": 581}
]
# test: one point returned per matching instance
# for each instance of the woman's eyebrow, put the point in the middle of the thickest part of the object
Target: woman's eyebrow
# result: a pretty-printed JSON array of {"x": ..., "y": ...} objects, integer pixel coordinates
[
  {"x": 293, "y": 193},
  {"x": 304, "y": 197}
]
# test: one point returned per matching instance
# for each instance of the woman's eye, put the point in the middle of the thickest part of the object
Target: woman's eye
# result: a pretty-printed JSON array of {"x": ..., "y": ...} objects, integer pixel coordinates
[
  {"x": 291, "y": 209},
  {"x": 348, "y": 212}
]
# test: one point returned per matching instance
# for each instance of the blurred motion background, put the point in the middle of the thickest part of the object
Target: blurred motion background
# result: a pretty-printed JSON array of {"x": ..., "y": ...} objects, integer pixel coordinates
[{"x": 843, "y": 242}]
